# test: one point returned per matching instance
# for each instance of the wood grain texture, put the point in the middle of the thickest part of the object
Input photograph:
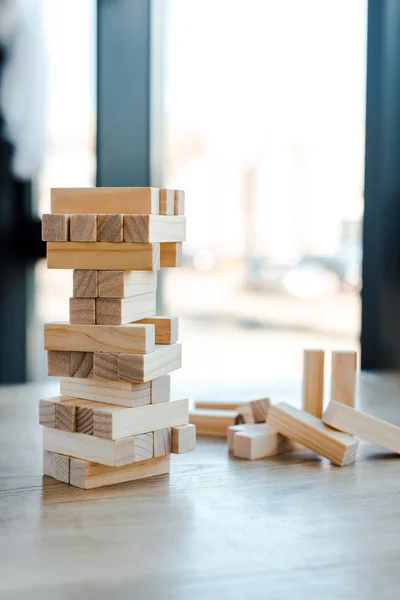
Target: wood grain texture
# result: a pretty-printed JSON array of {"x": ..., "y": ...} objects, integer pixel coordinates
[
  {"x": 313, "y": 382},
  {"x": 83, "y": 228},
  {"x": 58, "y": 363},
  {"x": 55, "y": 228},
  {"x": 110, "y": 228},
  {"x": 166, "y": 202},
  {"x": 119, "y": 393},
  {"x": 105, "y": 200},
  {"x": 104, "y": 256},
  {"x": 65, "y": 416},
  {"x": 56, "y": 466},
  {"x": 82, "y": 365},
  {"x": 257, "y": 441},
  {"x": 144, "y": 446},
  {"x": 162, "y": 442},
  {"x": 154, "y": 228},
  {"x": 145, "y": 367},
  {"x": 170, "y": 254},
  {"x": 47, "y": 412},
  {"x": 85, "y": 283},
  {"x": 120, "y": 311},
  {"x": 123, "y": 284},
  {"x": 161, "y": 389},
  {"x": 85, "y": 419},
  {"x": 343, "y": 381},
  {"x": 82, "y": 311},
  {"x": 183, "y": 439},
  {"x": 105, "y": 366},
  {"x": 179, "y": 202},
  {"x": 166, "y": 328},
  {"x": 212, "y": 422}
]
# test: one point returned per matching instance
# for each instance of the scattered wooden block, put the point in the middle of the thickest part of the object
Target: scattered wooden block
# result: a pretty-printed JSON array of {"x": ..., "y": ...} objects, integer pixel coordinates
[
  {"x": 119, "y": 393},
  {"x": 222, "y": 405},
  {"x": 348, "y": 419},
  {"x": 162, "y": 442},
  {"x": 212, "y": 422},
  {"x": 85, "y": 283},
  {"x": 82, "y": 364},
  {"x": 105, "y": 200},
  {"x": 110, "y": 228},
  {"x": 154, "y": 228},
  {"x": 183, "y": 439},
  {"x": 144, "y": 446},
  {"x": 65, "y": 415},
  {"x": 119, "y": 311},
  {"x": 233, "y": 429},
  {"x": 55, "y": 228},
  {"x": 82, "y": 311},
  {"x": 114, "y": 423},
  {"x": 166, "y": 328},
  {"x": 309, "y": 431},
  {"x": 123, "y": 284},
  {"x": 88, "y": 475},
  {"x": 83, "y": 228},
  {"x": 126, "y": 339},
  {"x": 47, "y": 412},
  {"x": 145, "y": 367},
  {"x": 104, "y": 256},
  {"x": 313, "y": 382},
  {"x": 179, "y": 202},
  {"x": 166, "y": 202},
  {"x": 343, "y": 377},
  {"x": 171, "y": 254},
  {"x": 259, "y": 441},
  {"x": 161, "y": 389},
  {"x": 56, "y": 466},
  {"x": 105, "y": 366},
  {"x": 58, "y": 363},
  {"x": 254, "y": 411}
]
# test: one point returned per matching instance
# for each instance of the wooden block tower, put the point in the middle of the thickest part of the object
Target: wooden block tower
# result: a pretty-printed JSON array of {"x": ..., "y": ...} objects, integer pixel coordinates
[{"x": 113, "y": 421}]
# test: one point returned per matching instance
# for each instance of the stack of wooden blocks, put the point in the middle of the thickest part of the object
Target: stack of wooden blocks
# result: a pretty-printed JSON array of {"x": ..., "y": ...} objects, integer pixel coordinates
[{"x": 113, "y": 421}]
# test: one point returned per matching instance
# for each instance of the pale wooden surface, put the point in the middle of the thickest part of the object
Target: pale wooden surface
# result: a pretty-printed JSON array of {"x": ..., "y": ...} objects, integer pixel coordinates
[{"x": 291, "y": 526}]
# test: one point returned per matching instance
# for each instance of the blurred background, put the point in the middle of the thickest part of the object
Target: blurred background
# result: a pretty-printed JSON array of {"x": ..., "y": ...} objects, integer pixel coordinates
[{"x": 258, "y": 113}]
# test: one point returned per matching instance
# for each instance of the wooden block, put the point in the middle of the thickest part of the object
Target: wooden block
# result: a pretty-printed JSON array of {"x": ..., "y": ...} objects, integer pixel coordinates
[
  {"x": 82, "y": 311},
  {"x": 47, "y": 412},
  {"x": 85, "y": 419},
  {"x": 105, "y": 200},
  {"x": 82, "y": 364},
  {"x": 179, "y": 202},
  {"x": 145, "y": 367},
  {"x": 220, "y": 405},
  {"x": 123, "y": 284},
  {"x": 114, "y": 423},
  {"x": 162, "y": 442},
  {"x": 254, "y": 411},
  {"x": 170, "y": 254},
  {"x": 212, "y": 422},
  {"x": 55, "y": 228},
  {"x": 119, "y": 393},
  {"x": 183, "y": 439},
  {"x": 161, "y": 389},
  {"x": 166, "y": 328},
  {"x": 144, "y": 446},
  {"x": 105, "y": 256},
  {"x": 83, "y": 228},
  {"x": 259, "y": 441},
  {"x": 85, "y": 284},
  {"x": 105, "y": 366},
  {"x": 65, "y": 416},
  {"x": 119, "y": 311},
  {"x": 59, "y": 363},
  {"x": 348, "y": 419},
  {"x": 343, "y": 377},
  {"x": 309, "y": 431},
  {"x": 154, "y": 228},
  {"x": 110, "y": 228},
  {"x": 88, "y": 475},
  {"x": 56, "y": 466},
  {"x": 166, "y": 202},
  {"x": 313, "y": 382}
]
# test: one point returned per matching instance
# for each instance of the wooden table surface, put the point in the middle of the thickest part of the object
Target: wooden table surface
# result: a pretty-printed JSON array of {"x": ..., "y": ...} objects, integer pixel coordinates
[{"x": 290, "y": 527}]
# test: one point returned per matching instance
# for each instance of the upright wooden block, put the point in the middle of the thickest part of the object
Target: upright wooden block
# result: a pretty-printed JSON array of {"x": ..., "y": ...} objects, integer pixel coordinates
[
  {"x": 83, "y": 228},
  {"x": 47, "y": 412},
  {"x": 110, "y": 228},
  {"x": 123, "y": 284},
  {"x": 212, "y": 422},
  {"x": 59, "y": 363},
  {"x": 56, "y": 466},
  {"x": 179, "y": 202},
  {"x": 162, "y": 442},
  {"x": 82, "y": 364},
  {"x": 105, "y": 366},
  {"x": 343, "y": 377},
  {"x": 145, "y": 367},
  {"x": 347, "y": 419},
  {"x": 85, "y": 283},
  {"x": 82, "y": 311},
  {"x": 55, "y": 228},
  {"x": 170, "y": 254},
  {"x": 161, "y": 389},
  {"x": 313, "y": 382},
  {"x": 105, "y": 200},
  {"x": 88, "y": 475},
  {"x": 119, "y": 311},
  {"x": 166, "y": 328},
  {"x": 154, "y": 228},
  {"x": 65, "y": 416},
  {"x": 119, "y": 393},
  {"x": 309, "y": 431},
  {"x": 259, "y": 441},
  {"x": 144, "y": 446},
  {"x": 104, "y": 256},
  {"x": 166, "y": 202},
  {"x": 183, "y": 439}
]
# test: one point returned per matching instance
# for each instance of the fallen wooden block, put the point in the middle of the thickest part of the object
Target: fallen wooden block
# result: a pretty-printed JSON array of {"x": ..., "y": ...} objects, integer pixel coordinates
[
  {"x": 110, "y": 228},
  {"x": 56, "y": 466},
  {"x": 123, "y": 284},
  {"x": 120, "y": 311},
  {"x": 166, "y": 328},
  {"x": 88, "y": 475},
  {"x": 254, "y": 411},
  {"x": 344, "y": 377},
  {"x": 55, "y": 228},
  {"x": 83, "y": 228},
  {"x": 348, "y": 419},
  {"x": 220, "y": 405},
  {"x": 212, "y": 422},
  {"x": 105, "y": 256},
  {"x": 233, "y": 429},
  {"x": 179, "y": 202},
  {"x": 154, "y": 228},
  {"x": 183, "y": 439},
  {"x": 166, "y": 202},
  {"x": 162, "y": 442},
  {"x": 119, "y": 393},
  {"x": 82, "y": 311},
  {"x": 145, "y": 367},
  {"x": 59, "y": 363},
  {"x": 313, "y": 382},
  {"x": 300, "y": 426},
  {"x": 259, "y": 441},
  {"x": 170, "y": 254},
  {"x": 85, "y": 283},
  {"x": 105, "y": 200}
]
